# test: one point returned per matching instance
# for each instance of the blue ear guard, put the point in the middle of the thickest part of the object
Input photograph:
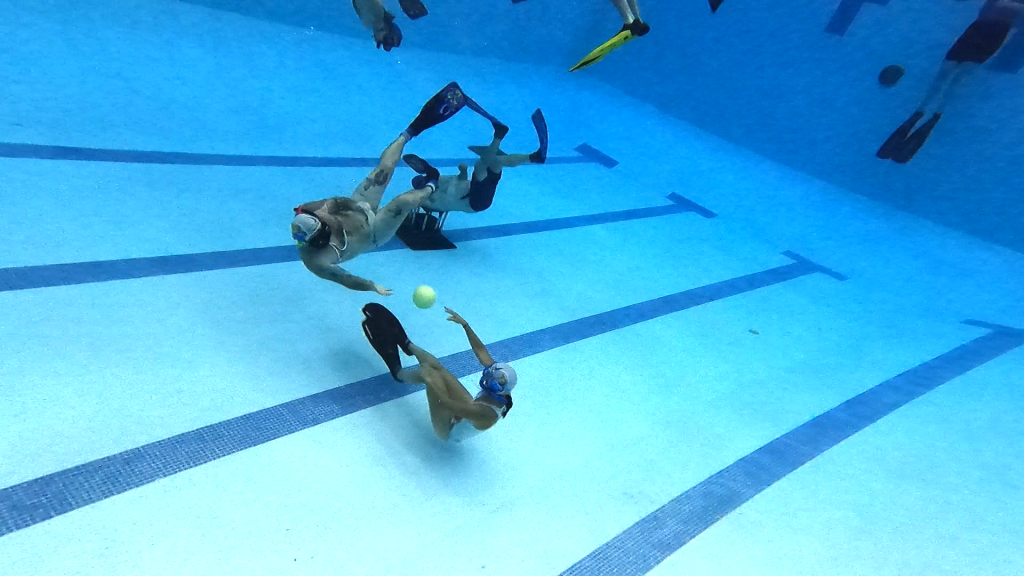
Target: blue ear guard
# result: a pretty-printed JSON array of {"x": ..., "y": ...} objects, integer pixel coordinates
[
  {"x": 489, "y": 383},
  {"x": 299, "y": 237}
]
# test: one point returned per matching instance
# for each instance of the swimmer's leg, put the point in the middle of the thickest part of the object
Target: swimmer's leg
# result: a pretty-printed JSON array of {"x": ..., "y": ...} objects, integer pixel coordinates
[
  {"x": 634, "y": 9},
  {"x": 899, "y": 136},
  {"x": 389, "y": 219},
  {"x": 441, "y": 418},
  {"x": 440, "y": 383},
  {"x": 625, "y": 10},
  {"x": 371, "y": 190},
  {"x": 631, "y": 21},
  {"x": 498, "y": 126},
  {"x": 960, "y": 72},
  {"x": 452, "y": 388},
  {"x": 491, "y": 159},
  {"x": 439, "y": 108},
  {"x": 495, "y": 163},
  {"x": 949, "y": 74}
]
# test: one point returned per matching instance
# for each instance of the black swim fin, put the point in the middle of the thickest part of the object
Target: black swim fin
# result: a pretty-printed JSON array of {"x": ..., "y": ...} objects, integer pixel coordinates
[
  {"x": 898, "y": 137},
  {"x": 541, "y": 125},
  {"x": 498, "y": 125},
  {"x": 386, "y": 334},
  {"x": 439, "y": 108},
  {"x": 916, "y": 140},
  {"x": 715, "y": 4},
  {"x": 413, "y": 8},
  {"x": 637, "y": 28},
  {"x": 429, "y": 174}
]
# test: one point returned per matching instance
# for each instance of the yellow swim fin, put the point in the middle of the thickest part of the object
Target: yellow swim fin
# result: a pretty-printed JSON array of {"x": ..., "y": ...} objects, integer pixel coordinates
[{"x": 603, "y": 50}]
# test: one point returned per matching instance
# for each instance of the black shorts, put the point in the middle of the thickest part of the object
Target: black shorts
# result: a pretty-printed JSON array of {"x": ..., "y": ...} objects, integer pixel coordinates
[
  {"x": 481, "y": 192},
  {"x": 982, "y": 39}
]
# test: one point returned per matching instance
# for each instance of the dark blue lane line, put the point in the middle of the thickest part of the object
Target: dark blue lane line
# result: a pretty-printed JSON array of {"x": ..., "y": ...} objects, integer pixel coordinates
[
  {"x": 50, "y": 275},
  {"x": 822, "y": 269},
  {"x": 597, "y": 156},
  {"x": 644, "y": 545},
  {"x": 47, "y": 497},
  {"x": 77, "y": 153}
]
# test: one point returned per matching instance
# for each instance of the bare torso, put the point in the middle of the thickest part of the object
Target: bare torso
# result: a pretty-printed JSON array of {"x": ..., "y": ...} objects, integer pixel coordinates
[
  {"x": 449, "y": 196},
  {"x": 351, "y": 231}
]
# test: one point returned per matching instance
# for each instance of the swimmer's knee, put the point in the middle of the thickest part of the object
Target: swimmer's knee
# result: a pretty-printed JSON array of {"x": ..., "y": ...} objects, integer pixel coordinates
[
  {"x": 442, "y": 426},
  {"x": 480, "y": 170}
]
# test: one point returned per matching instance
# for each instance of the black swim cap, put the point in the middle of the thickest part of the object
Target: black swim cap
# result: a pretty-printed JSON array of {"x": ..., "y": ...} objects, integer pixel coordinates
[{"x": 890, "y": 75}]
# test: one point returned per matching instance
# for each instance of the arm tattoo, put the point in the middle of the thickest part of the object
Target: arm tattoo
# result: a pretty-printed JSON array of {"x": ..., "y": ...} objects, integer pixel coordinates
[{"x": 379, "y": 177}]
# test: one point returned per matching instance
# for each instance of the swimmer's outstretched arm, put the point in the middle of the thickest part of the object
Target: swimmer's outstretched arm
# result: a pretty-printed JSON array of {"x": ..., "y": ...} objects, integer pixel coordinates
[
  {"x": 341, "y": 276},
  {"x": 474, "y": 341}
]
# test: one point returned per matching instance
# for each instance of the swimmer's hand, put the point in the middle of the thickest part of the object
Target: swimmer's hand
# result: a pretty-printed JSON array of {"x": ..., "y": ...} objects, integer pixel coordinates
[
  {"x": 386, "y": 33},
  {"x": 455, "y": 317},
  {"x": 381, "y": 290}
]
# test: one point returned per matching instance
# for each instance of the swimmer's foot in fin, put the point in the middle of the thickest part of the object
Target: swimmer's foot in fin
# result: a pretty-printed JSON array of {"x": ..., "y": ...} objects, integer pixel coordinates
[
  {"x": 541, "y": 125},
  {"x": 898, "y": 137},
  {"x": 636, "y": 28},
  {"x": 439, "y": 108},
  {"x": 485, "y": 151},
  {"x": 914, "y": 142},
  {"x": 500, "y": 131},
  {"x": 413, "y": 8},
  {"x": 386, "y": 334},
  {"x": 427, "y": 173}
]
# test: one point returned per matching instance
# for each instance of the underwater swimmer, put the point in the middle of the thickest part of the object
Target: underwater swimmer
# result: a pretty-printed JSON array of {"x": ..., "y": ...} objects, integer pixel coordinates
[
  {"x": 978, "y": 43},
  {"x": 376, "y": 18},
  {"x": 632, "y": 27},
  {"x": 336, "y": 230},
  {"x": 464, "y": 194},
  {"x": 455, "y": 413}
]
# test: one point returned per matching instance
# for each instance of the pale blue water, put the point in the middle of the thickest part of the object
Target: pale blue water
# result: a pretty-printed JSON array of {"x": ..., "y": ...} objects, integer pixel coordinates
[{"x": 745, "y": 345}]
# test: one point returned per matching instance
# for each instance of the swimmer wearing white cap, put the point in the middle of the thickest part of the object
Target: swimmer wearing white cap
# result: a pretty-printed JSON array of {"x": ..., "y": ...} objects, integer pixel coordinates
[
  {"x": 455, "y": 413},
  {"x": 336, "y": 230}
]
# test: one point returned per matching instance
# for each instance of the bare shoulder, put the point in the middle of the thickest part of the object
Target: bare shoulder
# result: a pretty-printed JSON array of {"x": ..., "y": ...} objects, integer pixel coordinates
[
  {"x": 483, "y": 416},
  {"x": 317, "y": 260},
  {"x": 338, "y": 205}
]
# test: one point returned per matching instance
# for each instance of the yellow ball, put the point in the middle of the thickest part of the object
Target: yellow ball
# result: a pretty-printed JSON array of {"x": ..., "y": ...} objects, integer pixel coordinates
[{"x": 424, "y": 297}]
